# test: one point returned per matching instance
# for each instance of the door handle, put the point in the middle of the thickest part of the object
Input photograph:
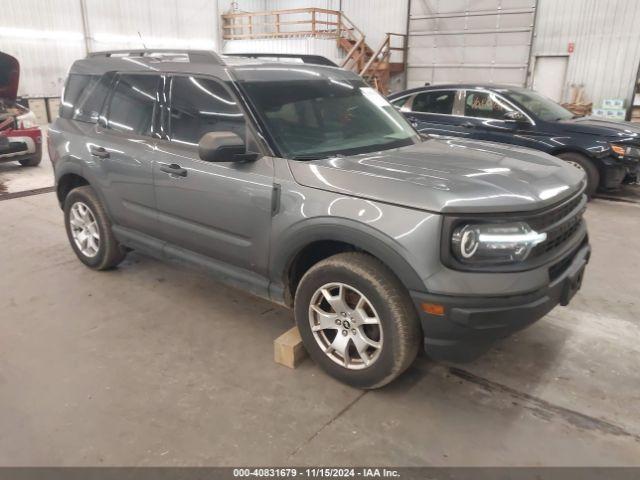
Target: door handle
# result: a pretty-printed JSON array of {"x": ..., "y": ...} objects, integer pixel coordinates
[
  {"x": 174, "y": 169},
  {"x": 99, "y": 151},
  {"x": 468, "y": 125}
]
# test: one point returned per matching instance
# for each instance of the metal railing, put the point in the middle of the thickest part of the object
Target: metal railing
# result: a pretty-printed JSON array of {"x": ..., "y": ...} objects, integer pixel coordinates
[
  {"x": 320, "y": 23},
  {"x": 383, "y": 54},
  {"x": 293, "y": 22}
]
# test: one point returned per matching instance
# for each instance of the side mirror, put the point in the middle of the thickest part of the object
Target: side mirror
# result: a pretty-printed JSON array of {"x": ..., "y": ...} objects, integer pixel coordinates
[
  {"x": 224, "y": 147},
  {"x": 515, "y": 116}
]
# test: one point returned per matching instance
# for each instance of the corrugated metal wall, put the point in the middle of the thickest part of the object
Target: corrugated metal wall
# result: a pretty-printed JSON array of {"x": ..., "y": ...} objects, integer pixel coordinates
[
  {"x": 606, "y": 34},
  {"x": 167, "y": 23},
  {"x": 48, "y": 36},
  {"x": 45, "y": 38}
]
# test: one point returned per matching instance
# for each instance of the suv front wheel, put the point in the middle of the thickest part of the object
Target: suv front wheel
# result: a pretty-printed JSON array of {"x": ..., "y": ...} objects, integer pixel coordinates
[
  {"x": 357, "y": 320},
  {"x": 89, "y": 230}
]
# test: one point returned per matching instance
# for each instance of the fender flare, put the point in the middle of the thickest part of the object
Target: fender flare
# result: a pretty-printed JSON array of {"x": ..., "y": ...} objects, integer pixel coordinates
[
  {"x": 286, "y": 247},
  {"x": 70, "y": 166}
]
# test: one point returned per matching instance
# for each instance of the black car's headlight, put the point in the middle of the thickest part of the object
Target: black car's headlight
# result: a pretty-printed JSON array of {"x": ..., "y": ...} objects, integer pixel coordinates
[
  {"x": 494, "y": 244},
  {"x": 625, "y": 150}
]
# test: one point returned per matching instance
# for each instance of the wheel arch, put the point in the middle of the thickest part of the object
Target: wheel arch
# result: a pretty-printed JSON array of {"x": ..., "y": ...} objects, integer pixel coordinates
[
  {"x": 312, "y": 241},
  {"x": 67, "y": 182},
  {"x": 580, "y": 151}
]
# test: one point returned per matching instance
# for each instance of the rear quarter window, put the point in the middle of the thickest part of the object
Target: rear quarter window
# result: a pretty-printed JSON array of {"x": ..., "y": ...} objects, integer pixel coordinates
[
  {"x": 84, "y": 96},
  {"x": 73, "y": 90}
]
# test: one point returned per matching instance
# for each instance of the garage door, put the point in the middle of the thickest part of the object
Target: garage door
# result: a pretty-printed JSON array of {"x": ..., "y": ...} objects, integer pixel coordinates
[{"x": 483, "y": 41}]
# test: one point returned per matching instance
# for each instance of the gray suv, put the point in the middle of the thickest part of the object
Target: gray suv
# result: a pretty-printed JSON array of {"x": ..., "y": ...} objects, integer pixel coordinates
[{"x": 300, "y": 184}]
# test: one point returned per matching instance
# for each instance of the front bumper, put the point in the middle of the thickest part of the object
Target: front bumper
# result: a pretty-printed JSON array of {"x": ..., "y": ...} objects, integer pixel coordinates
[
  {"x": 22, "y": 144},
  {"x": 470, "y": 325},
  {"x": 615, "y": 171}
]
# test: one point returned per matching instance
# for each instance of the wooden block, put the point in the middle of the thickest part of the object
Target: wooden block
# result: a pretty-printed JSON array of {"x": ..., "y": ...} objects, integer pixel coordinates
[{"x": 288, "y": 349}]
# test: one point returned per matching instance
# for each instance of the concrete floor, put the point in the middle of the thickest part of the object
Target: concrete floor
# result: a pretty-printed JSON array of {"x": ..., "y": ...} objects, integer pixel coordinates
[{"x": 153, "y": 364}]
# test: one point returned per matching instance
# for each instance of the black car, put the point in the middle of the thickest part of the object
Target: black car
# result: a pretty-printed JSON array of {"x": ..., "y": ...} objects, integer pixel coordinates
[{"x": 609, "y": 152}]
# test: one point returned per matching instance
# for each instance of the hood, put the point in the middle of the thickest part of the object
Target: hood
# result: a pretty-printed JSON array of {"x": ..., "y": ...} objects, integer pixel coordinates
[
  {"x": 447, "y": 175},
  {"x": 607, "y": 128},
  {"x": 9, "y": 76}
]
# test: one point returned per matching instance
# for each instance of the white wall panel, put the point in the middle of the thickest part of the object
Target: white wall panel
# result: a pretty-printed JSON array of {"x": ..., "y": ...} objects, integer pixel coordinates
[
  {"x": 607, "y": 44},
  {"x": 46, "y": 37},
  {"x": 159, "y": 24}
]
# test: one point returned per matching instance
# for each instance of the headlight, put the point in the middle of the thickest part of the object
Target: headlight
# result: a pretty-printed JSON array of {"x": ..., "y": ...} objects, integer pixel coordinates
[
  {"x": 28, "y": 120},
  {"x": 625, "y": 150},
  {"x": 494, "y": 243},
  {"x": 28, "y": 124}
]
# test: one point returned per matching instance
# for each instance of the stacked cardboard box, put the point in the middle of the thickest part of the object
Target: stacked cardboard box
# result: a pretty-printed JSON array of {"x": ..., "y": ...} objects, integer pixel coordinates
[
  {"x": 612, "y": 109},
  {"x": 635, "y": 109}
]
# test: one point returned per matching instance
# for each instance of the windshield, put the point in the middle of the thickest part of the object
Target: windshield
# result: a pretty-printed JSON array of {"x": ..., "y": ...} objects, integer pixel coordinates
[
  {"x": 542, "y": 107},
  {"x": 318, "y": 118}
]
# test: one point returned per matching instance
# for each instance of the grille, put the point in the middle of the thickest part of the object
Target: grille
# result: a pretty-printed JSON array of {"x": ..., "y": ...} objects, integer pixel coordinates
[
  {"x": 14, "y": 147},
  {"x": 559, "y": 222}
]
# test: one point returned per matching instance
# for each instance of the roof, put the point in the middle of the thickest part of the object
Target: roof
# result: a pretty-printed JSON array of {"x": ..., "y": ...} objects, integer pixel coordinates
[
  {"x": 453, "y": 86},
  {"x": 194, "y": 61}
]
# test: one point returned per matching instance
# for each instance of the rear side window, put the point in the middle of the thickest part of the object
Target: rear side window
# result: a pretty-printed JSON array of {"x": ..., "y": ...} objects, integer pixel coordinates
[
  {"x": 76, "y": 86},
  {"x": 435, "y": 102},
  {"x": 484, "y": 105},
  {"x": 132, "y": 103},
  {"x": 202, "y": 105},
  {"x": 89, "y": 103}
]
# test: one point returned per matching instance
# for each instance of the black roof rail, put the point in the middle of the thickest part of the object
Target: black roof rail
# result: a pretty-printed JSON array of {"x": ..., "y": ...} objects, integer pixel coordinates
[
  {"x": 314, "y": 59},
  {"x": 199, "y": 56}
]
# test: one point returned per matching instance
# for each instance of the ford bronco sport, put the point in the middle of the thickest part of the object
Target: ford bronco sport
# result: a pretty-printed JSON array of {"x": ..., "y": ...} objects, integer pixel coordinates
[{"x": 300, "y": 184}]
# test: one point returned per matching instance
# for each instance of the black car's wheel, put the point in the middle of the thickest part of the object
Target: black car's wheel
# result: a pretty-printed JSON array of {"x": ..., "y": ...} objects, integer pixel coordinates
[
  {"x": 357, "y": 320},
  {"x": 583, "y": 163},
  {"x": 89, "y": 230},
  {"x": 33, "y": 161}
]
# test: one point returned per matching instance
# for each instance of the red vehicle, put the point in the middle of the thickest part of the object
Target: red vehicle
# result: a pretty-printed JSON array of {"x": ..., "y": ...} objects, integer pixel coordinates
[{"x": 20, "y": 136}]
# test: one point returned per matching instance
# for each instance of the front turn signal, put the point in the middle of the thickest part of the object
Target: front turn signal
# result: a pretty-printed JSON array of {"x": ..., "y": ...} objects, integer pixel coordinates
[{"x": 433, "y": 308}]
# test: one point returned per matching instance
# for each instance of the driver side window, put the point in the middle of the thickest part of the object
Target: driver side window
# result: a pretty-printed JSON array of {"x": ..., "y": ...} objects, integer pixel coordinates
[{"x": 202, "y": 105}]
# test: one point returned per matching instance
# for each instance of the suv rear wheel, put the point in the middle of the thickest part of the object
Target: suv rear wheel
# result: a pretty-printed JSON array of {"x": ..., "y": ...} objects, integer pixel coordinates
[
  {"x": 89, "y": 230},
  {"x": 357, "y": 320}
]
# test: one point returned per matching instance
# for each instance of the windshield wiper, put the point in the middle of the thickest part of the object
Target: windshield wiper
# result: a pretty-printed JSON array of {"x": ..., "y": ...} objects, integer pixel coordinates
[
  {"x": 317, "y": 156},
  {"x": 308, "y": 157}
]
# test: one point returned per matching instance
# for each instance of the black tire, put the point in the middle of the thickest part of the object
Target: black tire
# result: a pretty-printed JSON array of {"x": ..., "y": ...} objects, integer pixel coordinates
[
  {"x": 398, "y": 318},
  {"x": 593, "y": 175},
  {"x": 109, "y": 253},
  {"x": 32, "y": 161}
]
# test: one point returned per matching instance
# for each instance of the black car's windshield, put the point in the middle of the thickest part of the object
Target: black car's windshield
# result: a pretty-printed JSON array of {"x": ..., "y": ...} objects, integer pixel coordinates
[
  {"x": 317, "y": 118},
  {"x": 540, "y": 106}
]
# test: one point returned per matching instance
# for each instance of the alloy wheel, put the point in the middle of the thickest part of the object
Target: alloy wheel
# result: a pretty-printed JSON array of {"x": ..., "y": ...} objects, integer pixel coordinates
[
  {"x": 345, "y": 325},
  {"x": 84, "y": 229}
]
